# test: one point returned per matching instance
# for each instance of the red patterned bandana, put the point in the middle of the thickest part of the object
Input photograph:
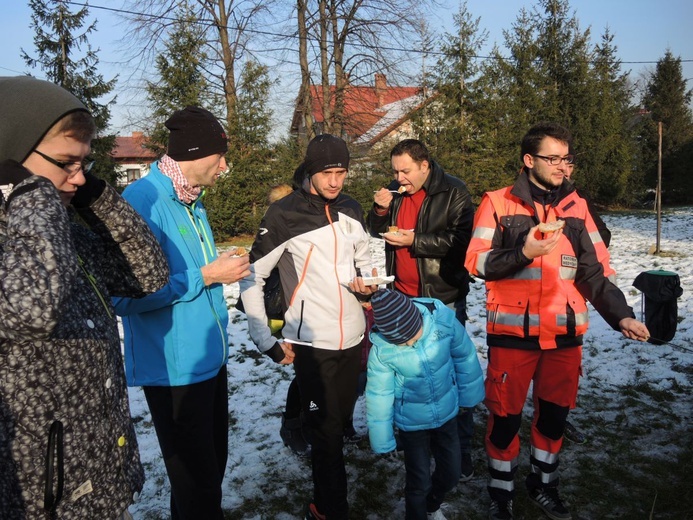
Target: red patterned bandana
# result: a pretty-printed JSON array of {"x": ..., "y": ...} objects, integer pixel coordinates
[{"x": 184, "y": 190}]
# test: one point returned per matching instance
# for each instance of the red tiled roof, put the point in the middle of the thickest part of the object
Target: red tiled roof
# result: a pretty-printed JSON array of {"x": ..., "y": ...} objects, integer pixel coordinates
[
  {"x": 362, "y": 105},
  {"x": 132, "y": 148}
]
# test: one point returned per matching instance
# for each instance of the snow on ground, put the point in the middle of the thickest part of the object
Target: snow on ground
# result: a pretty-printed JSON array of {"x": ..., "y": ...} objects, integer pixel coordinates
[{"x": 265, "y": 480}]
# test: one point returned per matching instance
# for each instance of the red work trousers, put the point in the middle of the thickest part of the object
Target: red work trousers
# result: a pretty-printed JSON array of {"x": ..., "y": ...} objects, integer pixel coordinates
[{"x": 555, "y": 374}]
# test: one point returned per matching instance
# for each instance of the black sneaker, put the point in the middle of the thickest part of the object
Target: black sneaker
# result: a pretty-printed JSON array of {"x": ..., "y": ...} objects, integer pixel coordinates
[
  {"x": 291, "y": 433},
  {"x": 501, "y": 510},
  {"x": 573, "y": 434},
  {"x": 550, "y": 503},
  {"x": 467, "y": 468}
]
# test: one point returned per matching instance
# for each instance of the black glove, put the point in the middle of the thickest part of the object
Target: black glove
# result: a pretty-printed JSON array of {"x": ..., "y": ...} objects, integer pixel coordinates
[{"x": 88, "y": 192}]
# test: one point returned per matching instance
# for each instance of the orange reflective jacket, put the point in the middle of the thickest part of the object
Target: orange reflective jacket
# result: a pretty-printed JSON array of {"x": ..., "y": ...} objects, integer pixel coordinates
[{"x": 540, "y": 303}]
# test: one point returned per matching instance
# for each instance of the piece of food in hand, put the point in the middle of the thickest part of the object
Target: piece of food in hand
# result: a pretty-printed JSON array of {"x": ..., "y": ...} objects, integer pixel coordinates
[
  {"x": 239, "y": 251},
  {"x": 401, "y": 189},
  {"x": 392, "y": 229},
  {"x": 550, "y": 227}
]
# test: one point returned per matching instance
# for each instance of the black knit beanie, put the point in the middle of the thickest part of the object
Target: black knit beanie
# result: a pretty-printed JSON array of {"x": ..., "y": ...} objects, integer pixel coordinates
[
  {"x": 195, "y": 133},
  {"x": 29, "y": 107},
  {"x": 396, "y": 317},
  {"x": 324, "y": 152}
]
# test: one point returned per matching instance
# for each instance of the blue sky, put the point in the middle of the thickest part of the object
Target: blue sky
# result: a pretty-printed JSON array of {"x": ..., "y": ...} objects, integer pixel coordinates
[{"x": 643, "y": 30}]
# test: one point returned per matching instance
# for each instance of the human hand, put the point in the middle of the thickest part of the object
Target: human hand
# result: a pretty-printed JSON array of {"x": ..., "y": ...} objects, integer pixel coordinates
[
  {"x": 634, "y": 329},
  {"x": 289, "y": 353},
  {"x": 226, "y": 268},
  {"x": 403, "y": 238},
  {"x": 357, "y": 285},
  {"x": 383, "y": 198},
  {"x": 535, "y": 247}
]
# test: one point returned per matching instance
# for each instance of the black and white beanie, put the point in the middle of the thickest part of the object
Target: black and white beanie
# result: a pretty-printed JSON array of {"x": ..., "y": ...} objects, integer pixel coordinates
[
  {"x": 324, "y": 152},
  {"x": 396, "y": 317},
  {"x": 195, "y": 133}
]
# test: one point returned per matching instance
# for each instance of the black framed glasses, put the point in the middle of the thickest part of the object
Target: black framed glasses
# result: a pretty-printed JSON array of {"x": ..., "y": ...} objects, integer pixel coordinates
[
  {"x": 555, "y": 160},
  {"x": 72, "y": 168}
]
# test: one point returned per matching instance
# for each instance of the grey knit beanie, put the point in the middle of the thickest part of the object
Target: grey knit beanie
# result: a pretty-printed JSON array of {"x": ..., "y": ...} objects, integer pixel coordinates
[{"x": 29, "y": 107}]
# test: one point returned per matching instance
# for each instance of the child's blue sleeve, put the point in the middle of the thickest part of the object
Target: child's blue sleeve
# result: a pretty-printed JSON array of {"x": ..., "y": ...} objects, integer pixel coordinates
[{"x": 380, "y": 400}]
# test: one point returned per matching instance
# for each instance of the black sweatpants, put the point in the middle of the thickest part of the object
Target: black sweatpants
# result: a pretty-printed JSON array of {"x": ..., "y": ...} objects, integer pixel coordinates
[
  {"x": 192, "y": 425},
  {"x": 328, "y": 381}
]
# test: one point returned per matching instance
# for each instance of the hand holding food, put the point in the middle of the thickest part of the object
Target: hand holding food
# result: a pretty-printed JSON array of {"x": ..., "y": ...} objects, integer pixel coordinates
[
  {"x": 228, "y": 267},
  {"x": 534, "y": 247}
]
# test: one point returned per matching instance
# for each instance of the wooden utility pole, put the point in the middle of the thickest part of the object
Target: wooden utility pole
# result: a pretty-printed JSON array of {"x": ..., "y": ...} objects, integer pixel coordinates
[{"x": 658, "y": 194}]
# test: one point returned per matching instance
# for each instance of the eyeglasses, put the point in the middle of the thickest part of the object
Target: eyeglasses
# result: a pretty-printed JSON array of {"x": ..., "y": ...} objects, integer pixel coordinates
[
  {"x": 554, "y": 160},
  {"x": 72, "y": 168}
]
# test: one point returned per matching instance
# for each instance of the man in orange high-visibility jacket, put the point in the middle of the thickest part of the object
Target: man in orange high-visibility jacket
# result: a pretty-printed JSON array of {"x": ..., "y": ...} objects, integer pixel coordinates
[{"x": 536, "y": 290}]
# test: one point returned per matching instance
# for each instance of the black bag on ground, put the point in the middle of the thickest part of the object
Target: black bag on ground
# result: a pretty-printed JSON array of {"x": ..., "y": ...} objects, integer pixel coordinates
[{"x": 660, "y": 290}]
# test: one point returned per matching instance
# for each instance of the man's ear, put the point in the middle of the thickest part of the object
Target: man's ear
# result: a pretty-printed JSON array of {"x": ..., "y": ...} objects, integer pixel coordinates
[{"x": 528, "y": 159}]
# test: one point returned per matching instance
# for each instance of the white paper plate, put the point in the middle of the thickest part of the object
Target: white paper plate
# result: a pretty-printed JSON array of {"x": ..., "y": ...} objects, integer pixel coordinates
[{"x": 378, "y": 280}]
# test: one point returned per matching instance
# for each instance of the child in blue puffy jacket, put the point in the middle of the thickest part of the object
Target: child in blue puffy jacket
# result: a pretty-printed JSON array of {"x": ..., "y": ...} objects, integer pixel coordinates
[{"x": 422, "y": 368}]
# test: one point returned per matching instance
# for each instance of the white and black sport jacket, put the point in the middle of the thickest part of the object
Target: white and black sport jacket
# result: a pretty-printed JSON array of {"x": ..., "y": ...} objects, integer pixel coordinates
[{"x": 319, "y": 246}]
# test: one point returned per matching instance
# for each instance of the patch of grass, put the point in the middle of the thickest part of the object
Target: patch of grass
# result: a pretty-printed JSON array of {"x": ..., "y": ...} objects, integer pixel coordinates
[
  {"x": 656, "y": 394},
  {"x": 671, "y": 254},
  {"x": 237, "y": 241}
]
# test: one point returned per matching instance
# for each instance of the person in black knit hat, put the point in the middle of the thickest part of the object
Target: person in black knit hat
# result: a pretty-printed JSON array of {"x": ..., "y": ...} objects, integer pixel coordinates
[
  {"x": 176, "y": 344},
  {"x": 195, "y": 133},
  {"x": 317, "y": 238}
]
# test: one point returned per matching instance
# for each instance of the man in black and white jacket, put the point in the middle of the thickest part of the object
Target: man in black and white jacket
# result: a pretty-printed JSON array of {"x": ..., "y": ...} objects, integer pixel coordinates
[{"x": 317, "y": 238}]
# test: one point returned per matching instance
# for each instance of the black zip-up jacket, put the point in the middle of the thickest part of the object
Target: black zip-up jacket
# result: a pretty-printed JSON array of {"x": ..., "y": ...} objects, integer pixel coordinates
[{"x": 442, "y": 234}]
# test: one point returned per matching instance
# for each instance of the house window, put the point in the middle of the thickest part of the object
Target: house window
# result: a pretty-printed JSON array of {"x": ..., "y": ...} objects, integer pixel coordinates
[{"x": 133, "y": 174}]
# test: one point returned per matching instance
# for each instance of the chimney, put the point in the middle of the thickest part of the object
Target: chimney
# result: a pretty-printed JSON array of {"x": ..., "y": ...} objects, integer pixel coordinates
[
  {"x": 137, "y": 135},
  {"x": 380, "y": 87}
]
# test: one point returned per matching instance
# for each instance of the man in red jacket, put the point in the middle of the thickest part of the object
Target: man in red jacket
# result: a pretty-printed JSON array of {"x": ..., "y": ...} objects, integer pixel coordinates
[{"x": 537, "y": 284}]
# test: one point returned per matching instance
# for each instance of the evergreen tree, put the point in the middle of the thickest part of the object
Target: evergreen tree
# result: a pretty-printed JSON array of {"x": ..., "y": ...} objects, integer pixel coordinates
[
  {"x": 452, "y": 134},
  {"x": 254, "y": 117},
  {"x": 604, "y": 142},
  {"x": 562, "y": 51},
  {"x": 238, "y": 200},
  {"x": 58, "y": 41},
  {"x": 668, "y": 100},
  {"x": 552, "y": 73},
  {"x": 181, "y": 79}
]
